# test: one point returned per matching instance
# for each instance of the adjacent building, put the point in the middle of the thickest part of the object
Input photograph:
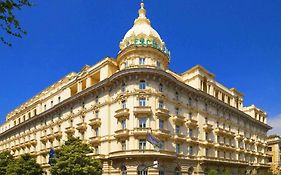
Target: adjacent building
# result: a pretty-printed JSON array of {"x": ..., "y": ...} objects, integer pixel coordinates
[
  {"x": 116, "y": 103},
  {"x": 274, "y": 152}
]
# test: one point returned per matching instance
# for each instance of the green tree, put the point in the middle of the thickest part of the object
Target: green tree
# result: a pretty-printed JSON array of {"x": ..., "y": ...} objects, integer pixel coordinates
[
  {"x": 71, "y": 159},
  {"x": 25, "y": 165},
  {"x": 212, "y": 172},
  {"x": 8, "y": 22},
  {"x": 5, "y": 159}
]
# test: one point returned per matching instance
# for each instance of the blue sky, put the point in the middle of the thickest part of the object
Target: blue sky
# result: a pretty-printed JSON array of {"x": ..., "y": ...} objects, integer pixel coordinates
[{"x": 239, "y": 41}]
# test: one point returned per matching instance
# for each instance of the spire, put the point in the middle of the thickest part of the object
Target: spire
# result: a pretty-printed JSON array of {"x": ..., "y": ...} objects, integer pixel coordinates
[{"x": 142, "y": 15}]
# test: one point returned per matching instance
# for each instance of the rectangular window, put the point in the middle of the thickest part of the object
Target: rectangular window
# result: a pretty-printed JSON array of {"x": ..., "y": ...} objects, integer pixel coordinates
[
  {"x": 190, "y": 150},
  {"x": 123, "y": 104},
  {"x": 142, "y": 102},
  {"x": 177, "y": 96},
  {"x": 161, "y": 104},
  {"x": 123, "y": 145},
  {"x": 162, "y": 145},
  {"x": 96, "y": 150},
  {"x": 177, "y": 111},
  {"x": 142, "y": 85},
  {"x": 141, "y": 61},
  {"x": 178, "y": 148},
  {"x": 206, "y": 152},
  {"x": 161, "y": 124},
  {"x": 142, "y": 144},
  {"x": 123, "y": 124},
  {"x": 177, "y": 129},
  {"x": 97, "y": 131},
  {"x": 161, "y": 87},
  {"x": 142, "y": 122},
  {"x": 206, "y": 136},
  {"x": 190, "y": 134}
]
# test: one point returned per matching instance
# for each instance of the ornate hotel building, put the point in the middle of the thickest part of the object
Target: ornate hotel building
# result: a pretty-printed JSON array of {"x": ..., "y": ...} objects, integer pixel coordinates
[{"x": 116, "y": 103}]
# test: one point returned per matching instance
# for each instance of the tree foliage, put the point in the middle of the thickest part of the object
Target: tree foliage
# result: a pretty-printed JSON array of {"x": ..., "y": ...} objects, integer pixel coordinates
[
  {"x": 5, "y": 159},
  {"x": 212, "y": 172},
  {"x": 71, "y": 159},
  {"x": 25, "y": 165},
  {"x": 8, "y": 22}
]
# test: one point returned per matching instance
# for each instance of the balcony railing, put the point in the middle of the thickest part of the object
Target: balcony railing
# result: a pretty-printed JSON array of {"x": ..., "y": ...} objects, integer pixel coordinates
[
  {"x": 58, "y": 135},
  {"x": 95, "y": 123},
  {"x": 122, "y": 134},
  {"x": 142, "y": 110},
  {"x": 208, "y": 127},
  {"x": 179, "y": 138},
  {"x": 178, "y": 119},
  {"x": 70, "y": 130},
  {"x": 95, "y": 141},
  {"x": 122, "y": 114},
  {"x": 162, "y": 113},
  {"x": 81, "y": 127},
  {"x": 141, "y": 132},
  {"x": 191, "y": 123},
  {"x": 162, "y": 134}
]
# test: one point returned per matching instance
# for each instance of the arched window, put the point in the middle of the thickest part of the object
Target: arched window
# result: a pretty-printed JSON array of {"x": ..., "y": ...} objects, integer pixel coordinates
[
  {"x": 142, "y": 170},
  {"x": 177, "y": 171},
  {"x": 123, "y": 170}
]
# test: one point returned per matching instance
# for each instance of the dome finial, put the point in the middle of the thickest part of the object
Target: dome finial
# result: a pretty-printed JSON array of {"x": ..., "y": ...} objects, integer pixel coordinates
[{"x": 142, "y": 11}]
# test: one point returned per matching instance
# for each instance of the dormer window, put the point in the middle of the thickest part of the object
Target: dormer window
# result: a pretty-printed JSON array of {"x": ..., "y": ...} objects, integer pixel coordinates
[{"x": 141, "y": 61}]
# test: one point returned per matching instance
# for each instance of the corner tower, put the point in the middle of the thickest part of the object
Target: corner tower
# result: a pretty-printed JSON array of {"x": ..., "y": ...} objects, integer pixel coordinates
[{"x": 142, "y": 46}]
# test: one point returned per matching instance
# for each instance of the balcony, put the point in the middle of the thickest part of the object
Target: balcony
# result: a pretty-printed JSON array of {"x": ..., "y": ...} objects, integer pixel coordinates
[
  {"x": 95, "y": 123},
  {"x": 95, "y": 141},
  {"x": 70, "y": 130},
  {"x": 225, "y": 146},
  {"x": 122, "y": 114},
  {"x": 33, "y": 142},
  {"x": 179, "y": 138},
  {"x": 43, "y": 139},
  {"x": 162, "y": 134},
  {"x": 207, "y": 127},
  {"x": 208, "y": 143},
  {"x": 224, "y": 132},
  {"x": 50, "y": 137},
  {"x": 141, "y": 132},
  {"x": 142, "y": 110},
  {"x": 191, "y": 123},
  {"x": 122, "y": 134},
  {"x": 58, "y": 135},
  {"x": 178, "y": 119},
  {"x": 162, "y": 113},
  {"x": 43, "y": 152},
  {"x": 192, "y": 140},
  {"x": 81, "y": 127},
  {"x": 239, "y": 136}
]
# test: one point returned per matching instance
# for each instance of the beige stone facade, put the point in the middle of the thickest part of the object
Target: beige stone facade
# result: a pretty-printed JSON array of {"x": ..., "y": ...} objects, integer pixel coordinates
[
  {"x": 115, "y": 103},
  {"x": 274, "y": 151}
]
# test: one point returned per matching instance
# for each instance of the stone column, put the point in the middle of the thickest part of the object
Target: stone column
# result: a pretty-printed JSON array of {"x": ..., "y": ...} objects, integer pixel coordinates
[{"x": 88, "y": 82}]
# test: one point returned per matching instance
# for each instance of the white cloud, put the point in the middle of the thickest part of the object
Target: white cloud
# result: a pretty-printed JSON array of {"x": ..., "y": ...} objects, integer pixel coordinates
[{"x": 275, "y": 123}]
